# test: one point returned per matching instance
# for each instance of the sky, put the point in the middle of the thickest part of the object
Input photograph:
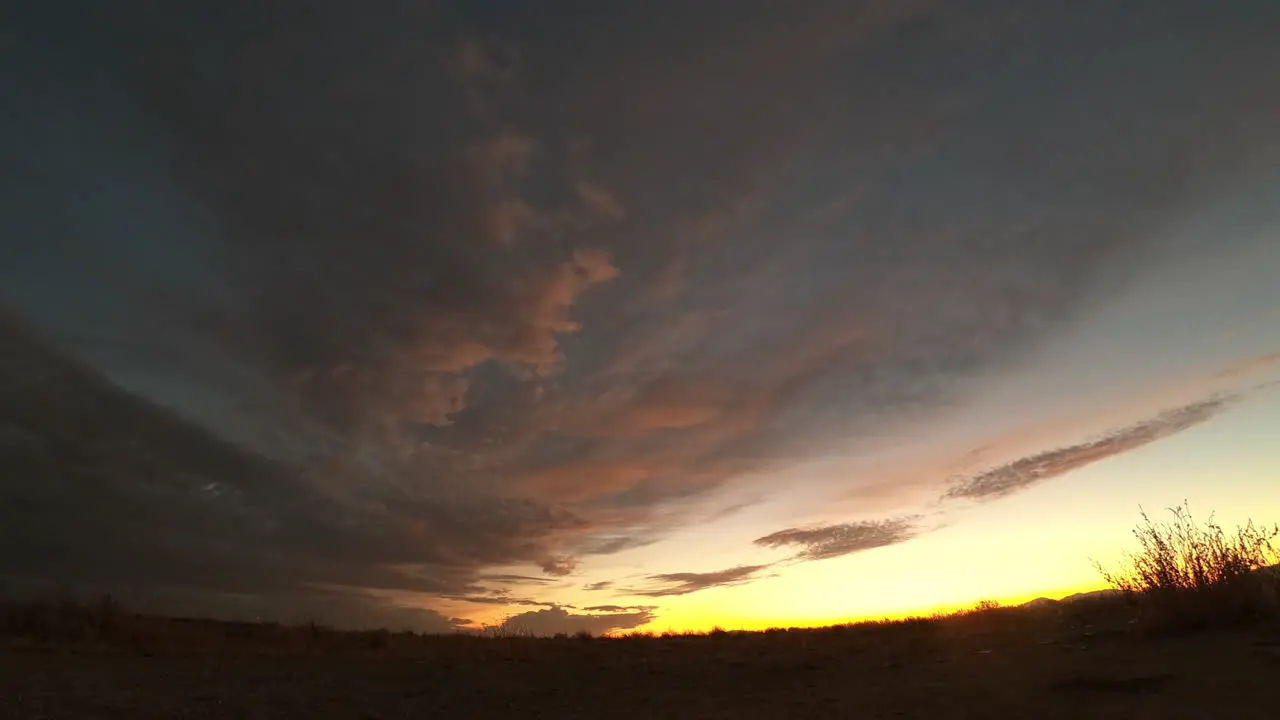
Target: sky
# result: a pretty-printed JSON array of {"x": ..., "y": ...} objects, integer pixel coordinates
[{"x": 609, "y": 316}]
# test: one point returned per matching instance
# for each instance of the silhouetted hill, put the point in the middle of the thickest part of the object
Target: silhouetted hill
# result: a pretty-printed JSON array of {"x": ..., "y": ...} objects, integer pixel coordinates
[{"x": 1092, "y": 595}]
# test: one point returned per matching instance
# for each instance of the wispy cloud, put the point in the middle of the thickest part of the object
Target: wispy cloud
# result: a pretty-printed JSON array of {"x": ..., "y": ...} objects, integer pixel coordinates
[
  {"x": 1027, "y": 471},
  {"x": 684, "y": 583},
  {"x": 618, "y": 608},
  {"x": 501, "y": 600},
  {"x": 509, "y": 579},
  {"x": 830, "y": 541}
]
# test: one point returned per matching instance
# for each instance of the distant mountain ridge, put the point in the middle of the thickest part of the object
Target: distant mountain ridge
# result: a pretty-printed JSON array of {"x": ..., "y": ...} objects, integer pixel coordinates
[
  {"x": 1109, "y": 592},
  {"x": 1073, "y": 598}
]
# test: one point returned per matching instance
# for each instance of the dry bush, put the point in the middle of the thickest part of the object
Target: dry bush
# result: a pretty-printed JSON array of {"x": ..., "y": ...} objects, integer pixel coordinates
[
  {"x": 1186, "y": 576},
  {"x": 985, "y": 606}
]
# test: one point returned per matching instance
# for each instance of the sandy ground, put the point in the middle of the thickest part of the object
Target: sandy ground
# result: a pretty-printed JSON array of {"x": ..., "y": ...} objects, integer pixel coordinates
[{"x": 928, "y": 671}]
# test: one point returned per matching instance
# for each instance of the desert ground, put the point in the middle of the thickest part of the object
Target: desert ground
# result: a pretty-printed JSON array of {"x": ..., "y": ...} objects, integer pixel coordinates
[{"x": 1051, "y": 661}]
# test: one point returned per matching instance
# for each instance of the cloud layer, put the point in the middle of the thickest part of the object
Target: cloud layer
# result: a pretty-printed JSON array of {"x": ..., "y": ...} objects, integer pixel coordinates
[
  {"x": 442, "y": 307},
  {"x": 830, "y": 541},
  {"x": 1024, "y": 472},
  {"x": 684, "y": 583}
]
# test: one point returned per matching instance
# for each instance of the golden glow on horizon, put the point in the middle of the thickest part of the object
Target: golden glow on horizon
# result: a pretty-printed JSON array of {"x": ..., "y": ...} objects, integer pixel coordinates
[
  {"x": 1021, "y": 559},
  {"x": 729, "y": 621},
  {"x": 1036, "y": 543}
]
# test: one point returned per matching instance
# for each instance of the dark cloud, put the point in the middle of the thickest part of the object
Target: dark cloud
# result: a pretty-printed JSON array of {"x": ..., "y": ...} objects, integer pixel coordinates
[
  {"x": 205, "y": 516},
  {"x": 1022, "y": 473},
  {"x": 552, "y": 621},
  {"x": 502, "y": 600},
  {"x": 604, "y": 544},
  {"x": 822, "y": 543},
  {"x": 509, "y": 579},
  {"x": 619, "y": 608},
  {"x": 597, "y": 586},
  {"x": 668, "y": 584},
  {"x": 559, "y": 566}
]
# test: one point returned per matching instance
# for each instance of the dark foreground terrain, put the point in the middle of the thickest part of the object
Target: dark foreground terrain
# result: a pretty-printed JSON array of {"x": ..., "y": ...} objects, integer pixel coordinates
[{"x": 999, "y": 664}]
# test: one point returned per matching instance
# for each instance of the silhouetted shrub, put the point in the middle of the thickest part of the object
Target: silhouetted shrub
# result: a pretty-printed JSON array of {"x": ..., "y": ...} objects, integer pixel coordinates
[{"x": 1186, "y": 576}]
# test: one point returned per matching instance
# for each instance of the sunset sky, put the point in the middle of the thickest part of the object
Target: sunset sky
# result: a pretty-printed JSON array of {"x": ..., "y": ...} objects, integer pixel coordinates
[{"x": 606, "y": 315}]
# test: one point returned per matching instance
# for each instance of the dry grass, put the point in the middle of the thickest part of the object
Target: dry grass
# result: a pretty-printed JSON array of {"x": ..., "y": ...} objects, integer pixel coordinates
[{"x": 1187, "y": 576}]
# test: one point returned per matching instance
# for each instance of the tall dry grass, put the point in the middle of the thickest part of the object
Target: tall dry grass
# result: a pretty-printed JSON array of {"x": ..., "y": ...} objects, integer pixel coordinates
[{"x": 1186, "y": 575}]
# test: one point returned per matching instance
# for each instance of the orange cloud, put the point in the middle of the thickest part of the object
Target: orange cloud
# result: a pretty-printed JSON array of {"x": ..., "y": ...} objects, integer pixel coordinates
[
  {"x": 438, "y": 397},
  {"x": 664, "y": 404},
  {"x": 452, "y": 355},
  {"x": 544, "y": 304},
  {"x": 673, "y": 416},
  {"x": 708, "y": 416},
  {"x": 579, "y": 482}
]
